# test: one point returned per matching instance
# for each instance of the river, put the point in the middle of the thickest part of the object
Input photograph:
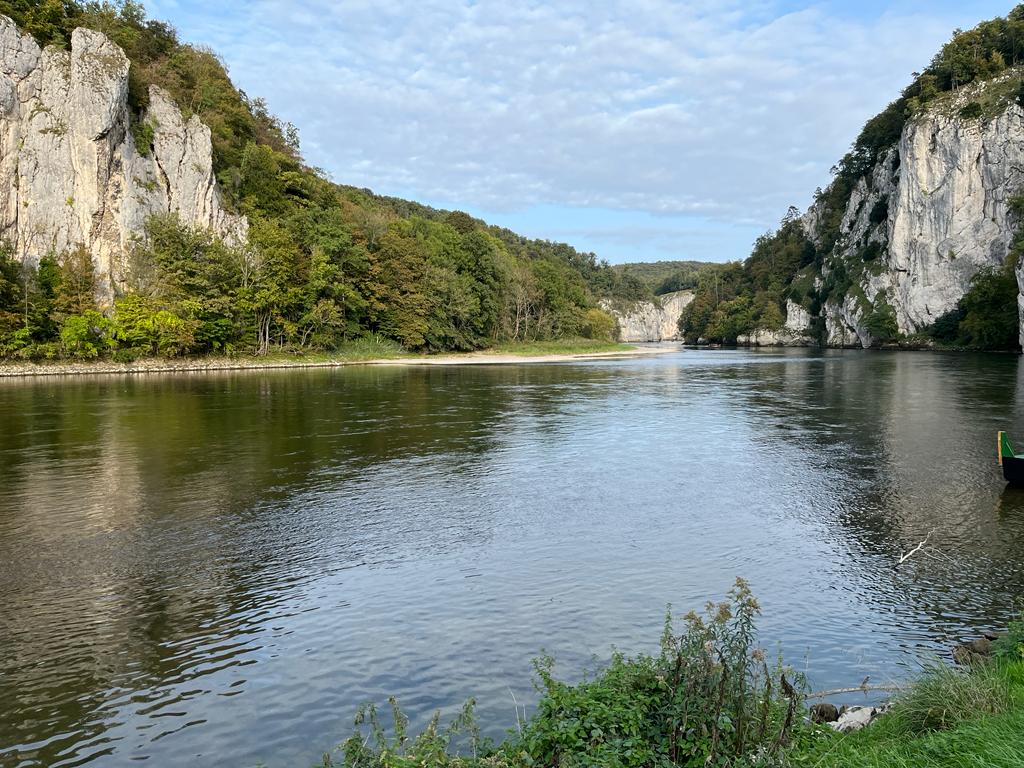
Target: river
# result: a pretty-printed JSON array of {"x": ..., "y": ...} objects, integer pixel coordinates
[{"x": 205, "y": 569}]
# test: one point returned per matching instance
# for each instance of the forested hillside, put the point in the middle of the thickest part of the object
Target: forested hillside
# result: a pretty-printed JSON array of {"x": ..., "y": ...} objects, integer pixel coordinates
[
  {"x": 660, "y": 277},
  {"x": 324, "y": 263}
]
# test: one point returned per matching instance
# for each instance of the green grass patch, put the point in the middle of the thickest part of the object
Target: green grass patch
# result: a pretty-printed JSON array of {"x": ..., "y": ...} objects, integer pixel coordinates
[
  {"x": 571, "y": 346},
  {"x": 950, "y": 718}
]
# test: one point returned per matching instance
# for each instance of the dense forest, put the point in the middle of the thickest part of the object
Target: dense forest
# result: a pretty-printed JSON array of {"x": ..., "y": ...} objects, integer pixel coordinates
[
  {"x": 660, "y": 277},
  {"x": 324, "y": 263},
  {"x": 738, "y": 298}
]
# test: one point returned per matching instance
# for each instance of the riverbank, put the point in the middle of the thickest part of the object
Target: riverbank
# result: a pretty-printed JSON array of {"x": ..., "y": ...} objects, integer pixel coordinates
[
  {"x": 948, "y": 718},
  {"x": 505, "y": 354},
  {"x": 711, "y": 698}
]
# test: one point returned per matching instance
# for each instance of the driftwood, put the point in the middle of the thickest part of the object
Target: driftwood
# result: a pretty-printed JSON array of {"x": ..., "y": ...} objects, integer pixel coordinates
[
  {"x": 862, "y": 688},
  {"x": 906, "y": 556}
]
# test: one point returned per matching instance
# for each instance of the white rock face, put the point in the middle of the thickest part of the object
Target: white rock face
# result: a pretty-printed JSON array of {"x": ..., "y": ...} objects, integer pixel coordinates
[
  {"x": 784, "y": 337},
  {"x": 798, "y": 319},
  {"x": 647, "y": 321},
  {"x": 844, "y": 325},
  {"x": 70, "y": 173},
  {"x": 950, "y": 214},
  {"x": 933, "y": 212}
]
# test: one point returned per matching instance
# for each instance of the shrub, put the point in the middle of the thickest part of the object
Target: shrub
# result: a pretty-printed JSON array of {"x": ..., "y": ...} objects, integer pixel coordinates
[
  {"x": 1011, "y": 645},
  {"x": 85, "y": 335},
  {"x": 598, "y": 325},
  {"x": 946, "y": 327},
  {"x": 879, "y": 211},
  {"x": 871, "y": 251},
  {"x": 143, "y": 325},
  {"x": 881, "y": 323},
  {"x": 972, "y": 110},
  {"x": 708, "y": 697}
]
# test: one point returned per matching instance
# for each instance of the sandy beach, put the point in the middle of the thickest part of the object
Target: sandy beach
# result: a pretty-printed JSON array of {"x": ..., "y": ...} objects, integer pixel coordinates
[{"x": 200, "y": 365}]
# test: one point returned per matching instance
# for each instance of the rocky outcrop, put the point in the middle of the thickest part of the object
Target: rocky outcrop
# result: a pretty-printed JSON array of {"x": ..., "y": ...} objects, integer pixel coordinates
[
  {"x": 931, "y": 214},
  {"x": 766, "y": 337},
  {"x": 798, "y": 319},
  {"x": 70, "y": 172},
  {"x": 650, "y": 320},
  {"x": 950, "y": 215}
]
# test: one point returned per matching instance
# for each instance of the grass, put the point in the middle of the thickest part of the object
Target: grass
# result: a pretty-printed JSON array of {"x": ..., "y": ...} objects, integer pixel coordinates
[
  {"x": 949, "y": 719},
  {"x": 571, "y": 346}
]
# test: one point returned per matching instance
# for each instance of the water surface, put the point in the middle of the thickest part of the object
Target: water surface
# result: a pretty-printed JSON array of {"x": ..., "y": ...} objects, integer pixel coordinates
[{"x": 219, "y": 568}]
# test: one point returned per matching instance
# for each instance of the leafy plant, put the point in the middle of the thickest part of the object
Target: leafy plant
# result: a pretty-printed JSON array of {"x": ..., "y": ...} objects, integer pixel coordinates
[
  {"x": 1011, "y": 645},
  {"x": 708, "y": 697}
]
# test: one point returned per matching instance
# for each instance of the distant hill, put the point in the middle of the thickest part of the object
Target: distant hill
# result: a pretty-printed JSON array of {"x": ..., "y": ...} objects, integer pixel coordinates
[{"x": 665, "y": 276}]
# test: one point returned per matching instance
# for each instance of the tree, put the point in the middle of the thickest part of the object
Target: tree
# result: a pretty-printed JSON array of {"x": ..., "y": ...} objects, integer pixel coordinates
[
  {"x": 75, "y": 289},
  {"x": 990, "y": 318}
]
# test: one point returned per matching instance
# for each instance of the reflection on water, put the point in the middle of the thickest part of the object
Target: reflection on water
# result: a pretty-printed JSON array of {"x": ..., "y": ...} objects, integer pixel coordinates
[{"x": 222, "y": 567}]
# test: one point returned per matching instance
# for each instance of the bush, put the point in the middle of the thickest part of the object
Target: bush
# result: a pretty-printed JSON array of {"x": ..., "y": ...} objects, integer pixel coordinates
[
  {"x": 989, "y": 308},
  {"x": 598, "y": 325},
  {"x": 972, "y": 110},
  {"x": 1011, "y": 645},
  {"x": 881, "y": 323},
  {"x": 708, "y": 697},
  {"x": 947, "y": 327},
  {"x": 143, "y": 325},
  {"x": 85, "y": 335},
  {"x": 879, "y": 211},
  {"x": 871, "y": 251}
]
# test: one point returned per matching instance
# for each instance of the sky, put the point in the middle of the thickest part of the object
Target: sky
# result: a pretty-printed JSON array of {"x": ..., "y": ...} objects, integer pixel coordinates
[{"x": 638, "y": 129}]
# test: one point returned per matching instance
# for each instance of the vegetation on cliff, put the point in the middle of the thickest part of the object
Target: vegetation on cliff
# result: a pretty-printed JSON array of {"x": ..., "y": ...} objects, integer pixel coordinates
[{"x": 324, "y": 263}]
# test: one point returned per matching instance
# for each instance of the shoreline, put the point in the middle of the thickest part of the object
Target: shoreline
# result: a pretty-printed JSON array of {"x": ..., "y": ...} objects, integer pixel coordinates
[{"x": 212, "y": 364}]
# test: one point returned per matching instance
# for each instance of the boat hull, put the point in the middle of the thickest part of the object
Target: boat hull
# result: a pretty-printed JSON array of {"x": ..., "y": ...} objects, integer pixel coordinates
[{"x": 1013, "y": 471}]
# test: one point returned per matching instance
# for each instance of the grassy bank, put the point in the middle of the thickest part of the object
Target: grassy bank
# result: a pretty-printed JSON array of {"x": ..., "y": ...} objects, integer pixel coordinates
[
  {"x": 949, "y": 718},
  {"x": 710, "y": 697},
  {"x": 370, "y": 350},
  {"x": 573, "y": 346}
]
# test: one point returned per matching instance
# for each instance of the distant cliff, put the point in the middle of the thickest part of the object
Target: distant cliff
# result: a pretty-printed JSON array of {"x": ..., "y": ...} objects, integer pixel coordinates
[
  {"x": 70, "y": 171},
  {"x": 656, "y": 320}
]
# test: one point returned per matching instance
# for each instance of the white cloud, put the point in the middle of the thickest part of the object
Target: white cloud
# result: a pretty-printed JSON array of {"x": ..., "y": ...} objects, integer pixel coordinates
[{"x": 730, "y": 110}]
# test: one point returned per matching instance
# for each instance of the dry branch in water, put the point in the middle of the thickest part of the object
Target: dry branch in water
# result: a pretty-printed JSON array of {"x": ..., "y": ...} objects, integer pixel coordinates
[{"x": 906, "y": 556}]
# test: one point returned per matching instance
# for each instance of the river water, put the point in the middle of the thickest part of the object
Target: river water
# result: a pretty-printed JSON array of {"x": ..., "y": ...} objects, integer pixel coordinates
[{"x": 220, "y": 568}]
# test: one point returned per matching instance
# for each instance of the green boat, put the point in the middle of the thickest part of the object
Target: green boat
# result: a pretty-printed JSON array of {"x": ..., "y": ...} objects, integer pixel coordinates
[{"x": 1012, "y": 464}]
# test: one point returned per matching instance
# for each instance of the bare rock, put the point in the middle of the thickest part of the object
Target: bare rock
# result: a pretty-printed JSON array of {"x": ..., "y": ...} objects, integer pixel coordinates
[
  {"x": 824, "y": 713},
  {"x": 70, "y": 173},
  {"x": 975, "y": 652},
  {"x": 650, "y": 320}
]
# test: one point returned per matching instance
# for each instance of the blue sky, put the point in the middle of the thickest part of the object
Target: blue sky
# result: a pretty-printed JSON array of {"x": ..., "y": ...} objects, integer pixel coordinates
[{"x": 638, "y": 129}]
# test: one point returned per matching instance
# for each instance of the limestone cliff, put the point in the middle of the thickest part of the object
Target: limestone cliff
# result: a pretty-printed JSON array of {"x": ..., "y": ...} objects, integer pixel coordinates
[
  {"x": 70, "y": 172},
  {"x": 650, "y": 320},
  {"x": 932, "y": 212}
]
